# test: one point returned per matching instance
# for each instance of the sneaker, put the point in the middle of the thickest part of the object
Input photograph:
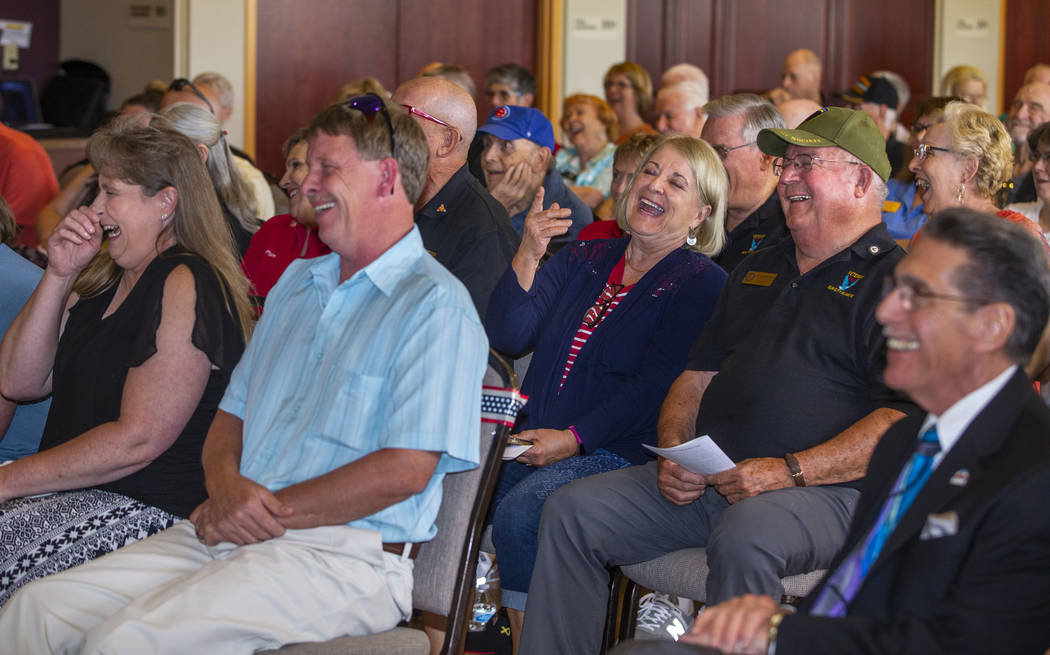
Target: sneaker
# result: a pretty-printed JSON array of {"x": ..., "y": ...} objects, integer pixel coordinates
[{"x": 659, "y": 617}]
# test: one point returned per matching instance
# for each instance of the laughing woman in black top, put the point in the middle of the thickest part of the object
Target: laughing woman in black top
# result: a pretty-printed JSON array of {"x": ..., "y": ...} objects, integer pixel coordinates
[{"x": 135, "y": 341}]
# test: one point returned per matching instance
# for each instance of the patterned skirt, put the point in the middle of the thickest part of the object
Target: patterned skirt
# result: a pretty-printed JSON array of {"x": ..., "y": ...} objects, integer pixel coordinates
[{"x": 48, "y": 534}]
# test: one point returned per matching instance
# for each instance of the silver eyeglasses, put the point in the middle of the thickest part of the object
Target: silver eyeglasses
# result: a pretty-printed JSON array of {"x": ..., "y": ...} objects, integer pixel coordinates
[{"x": 805, "y": 163}]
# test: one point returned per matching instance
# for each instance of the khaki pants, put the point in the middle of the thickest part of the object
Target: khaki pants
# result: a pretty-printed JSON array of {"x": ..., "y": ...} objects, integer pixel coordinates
[{"x": 172, "y": 594}]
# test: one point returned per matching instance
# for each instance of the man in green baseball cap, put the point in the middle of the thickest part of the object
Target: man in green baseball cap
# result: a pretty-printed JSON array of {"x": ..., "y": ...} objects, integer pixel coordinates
[{"x": 833, "y": 170}]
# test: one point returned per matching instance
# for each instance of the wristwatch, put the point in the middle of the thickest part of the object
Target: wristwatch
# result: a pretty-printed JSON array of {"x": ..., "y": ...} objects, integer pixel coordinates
[{"x": 795, "y": 469}]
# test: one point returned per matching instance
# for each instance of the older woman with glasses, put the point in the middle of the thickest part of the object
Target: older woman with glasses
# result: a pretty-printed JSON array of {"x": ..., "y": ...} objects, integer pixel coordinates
[
  {"x": 610, "y": 323},
  {"x": 963, "y": 161}
]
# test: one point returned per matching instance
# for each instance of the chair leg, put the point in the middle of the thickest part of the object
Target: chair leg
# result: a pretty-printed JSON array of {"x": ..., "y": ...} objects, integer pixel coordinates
[
  {"x": 629, "y": 609},
  {"x": 612, "y": 610}
]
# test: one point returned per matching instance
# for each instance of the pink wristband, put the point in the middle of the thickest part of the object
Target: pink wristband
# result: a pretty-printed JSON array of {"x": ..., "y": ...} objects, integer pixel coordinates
[{"x": 572, "y": 429}]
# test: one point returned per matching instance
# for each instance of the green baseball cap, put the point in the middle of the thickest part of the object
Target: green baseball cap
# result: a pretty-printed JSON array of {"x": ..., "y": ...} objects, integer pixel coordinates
[{"x": 833, "y": 127}]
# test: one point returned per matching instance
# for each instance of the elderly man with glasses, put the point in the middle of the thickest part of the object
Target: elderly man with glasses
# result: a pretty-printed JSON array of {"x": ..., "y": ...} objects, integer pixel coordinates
[
  {"x": 754, "y": 218},
  {"x": 785, "y": 378},
  {"x": 324, "y": 465},
  {"x": 462, "y": 225}
]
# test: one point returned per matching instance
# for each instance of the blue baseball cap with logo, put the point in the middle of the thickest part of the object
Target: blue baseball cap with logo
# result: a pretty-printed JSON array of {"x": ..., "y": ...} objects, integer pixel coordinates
[{"x": 510, "y": 122}]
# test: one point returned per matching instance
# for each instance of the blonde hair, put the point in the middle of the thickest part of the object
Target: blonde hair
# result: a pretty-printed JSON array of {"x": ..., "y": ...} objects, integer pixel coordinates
[
  {"x": 605, "y": 113},
  {"x": 712, "y": 184},
  {"x": 361, "y": 87},
  {"x": 960, "y": 74},
  {"x": 155, "y": 158},
  {"x": 202, "y": 127},
  {"x": 976, "y": 133}
]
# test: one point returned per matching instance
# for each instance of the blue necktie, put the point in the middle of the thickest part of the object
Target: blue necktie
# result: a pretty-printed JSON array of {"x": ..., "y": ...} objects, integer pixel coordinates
[{"x": 844, "y": 583}]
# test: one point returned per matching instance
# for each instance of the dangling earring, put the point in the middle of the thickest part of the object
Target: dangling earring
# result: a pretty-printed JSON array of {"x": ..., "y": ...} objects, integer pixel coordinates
[
  {"x": 690, "y": 239},
  {"x": 961, "y": 193}
]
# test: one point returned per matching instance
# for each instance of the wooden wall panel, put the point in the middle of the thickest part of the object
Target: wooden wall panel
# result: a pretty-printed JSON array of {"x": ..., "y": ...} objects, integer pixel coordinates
[
  {"x": 475, "y": 34},
  {"x": 754, "y": 36},
  {"x": 741, "y": 44},
  {"x": 1026, "y": 42},
  {"x": 906, "y": 47},
  {"x": 305, "y": 56}
]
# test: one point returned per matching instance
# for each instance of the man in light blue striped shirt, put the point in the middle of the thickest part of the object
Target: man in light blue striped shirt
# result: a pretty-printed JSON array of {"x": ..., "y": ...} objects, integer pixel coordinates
[{"x": 358, "y": 392}]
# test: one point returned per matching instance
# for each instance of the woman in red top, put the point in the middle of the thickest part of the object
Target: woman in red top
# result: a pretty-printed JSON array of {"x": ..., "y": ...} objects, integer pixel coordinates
[{"x": 285, "y": 237}]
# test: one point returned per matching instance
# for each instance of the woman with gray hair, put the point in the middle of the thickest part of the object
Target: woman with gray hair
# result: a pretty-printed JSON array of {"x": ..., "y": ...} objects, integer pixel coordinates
[
  {"x": 610, "y": 323},
  {"x": 235, "y": 196}
]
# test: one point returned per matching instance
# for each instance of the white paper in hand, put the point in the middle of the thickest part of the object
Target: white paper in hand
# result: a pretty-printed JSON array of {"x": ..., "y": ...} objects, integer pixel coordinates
[
  {"x": 511, "y": 451},
  {"x": 701, "y": 455}
]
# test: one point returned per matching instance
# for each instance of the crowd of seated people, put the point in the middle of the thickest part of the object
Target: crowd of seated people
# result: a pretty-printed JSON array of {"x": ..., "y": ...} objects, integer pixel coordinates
[{"x": 793, "y": 274}]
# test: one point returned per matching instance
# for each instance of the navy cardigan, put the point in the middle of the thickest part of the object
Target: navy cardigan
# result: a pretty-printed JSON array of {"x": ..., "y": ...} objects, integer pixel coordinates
[{"x": 614, "y": 391}]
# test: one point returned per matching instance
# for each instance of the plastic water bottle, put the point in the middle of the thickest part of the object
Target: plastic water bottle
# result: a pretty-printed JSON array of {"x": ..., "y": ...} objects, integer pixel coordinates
[{"x": 486, "y": 589}]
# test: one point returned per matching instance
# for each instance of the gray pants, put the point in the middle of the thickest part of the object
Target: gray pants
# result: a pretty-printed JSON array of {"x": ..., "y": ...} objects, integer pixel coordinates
[{"x": 621, "y": 518}]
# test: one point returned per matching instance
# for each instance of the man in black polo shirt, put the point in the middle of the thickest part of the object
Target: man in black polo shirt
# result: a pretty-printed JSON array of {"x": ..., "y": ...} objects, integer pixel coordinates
[
  {"x": 462, "y": 225},
  {"x": 754, "y": 218},
  {"x": 785, "y": 378}
]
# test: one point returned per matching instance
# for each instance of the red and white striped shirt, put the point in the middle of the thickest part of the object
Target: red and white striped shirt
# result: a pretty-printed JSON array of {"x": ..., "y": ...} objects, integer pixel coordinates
[{"x": 611, "y": 295}]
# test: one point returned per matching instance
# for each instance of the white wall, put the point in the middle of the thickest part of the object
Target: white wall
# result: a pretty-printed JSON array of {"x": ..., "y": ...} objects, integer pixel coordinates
[
  {"x": 595, "y": 38},
  {"x": 199, "y": 35},
  {"x": 214, "y": 41},
  {"x": 99, "y": 31},
  {"x": 969, "y": 32}
]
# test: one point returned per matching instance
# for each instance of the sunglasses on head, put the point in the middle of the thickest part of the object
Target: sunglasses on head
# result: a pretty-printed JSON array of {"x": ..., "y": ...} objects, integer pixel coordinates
[
  {"x": 180, "y": 83},
  {"x": 370, "y": 104}
]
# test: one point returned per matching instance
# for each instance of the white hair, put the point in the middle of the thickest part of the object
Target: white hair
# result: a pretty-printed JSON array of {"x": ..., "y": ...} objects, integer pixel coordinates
[
  {"x": 202, "y": 127},
  {"x": 218, "y": 83},
  {"x": 686, "y": 73},
  {"x": 691, "y": 91}
]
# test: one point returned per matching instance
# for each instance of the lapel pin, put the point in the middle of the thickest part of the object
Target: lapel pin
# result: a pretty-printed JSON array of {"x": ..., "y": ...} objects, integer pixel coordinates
[{"x": 959, "y": 478}]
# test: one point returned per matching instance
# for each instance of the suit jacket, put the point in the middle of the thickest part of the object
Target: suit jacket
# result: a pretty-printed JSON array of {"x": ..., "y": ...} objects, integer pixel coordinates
[{"x": 968, "y": 567}]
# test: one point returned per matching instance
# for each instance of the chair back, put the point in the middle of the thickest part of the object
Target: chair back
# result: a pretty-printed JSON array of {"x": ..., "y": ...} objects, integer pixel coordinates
[{"x": 445, "y": 568}]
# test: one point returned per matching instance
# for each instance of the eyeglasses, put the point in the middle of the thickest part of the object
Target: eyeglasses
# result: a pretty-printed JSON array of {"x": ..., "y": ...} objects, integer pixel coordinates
[
  {"x": 805, "y": 163},
  {"x": 723, "y": 151},
  {"x": 593, "y": 316},
  {"x": 616, "y": 84},
  {"x": 422, "y": 114},
  {"x": 911, "y": 296},
  {"x": 924, "y": 150},
  {"x": 370, "y": 104},
  {"x": 1034, "y": 157},
  {"x": 180, "y": 83}
]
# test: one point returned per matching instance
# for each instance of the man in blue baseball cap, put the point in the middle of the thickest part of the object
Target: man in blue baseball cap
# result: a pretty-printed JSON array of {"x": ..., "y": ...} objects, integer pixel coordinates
[{"x": 518, "y": 160}]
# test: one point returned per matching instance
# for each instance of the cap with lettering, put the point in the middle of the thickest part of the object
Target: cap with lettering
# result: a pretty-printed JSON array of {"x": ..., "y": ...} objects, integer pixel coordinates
[{"x": 833, "y": 127}]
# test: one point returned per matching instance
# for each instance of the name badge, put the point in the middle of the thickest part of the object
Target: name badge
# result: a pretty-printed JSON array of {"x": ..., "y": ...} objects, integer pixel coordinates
[
  {"x": 890, "y": 206},
  {"x": 759, "y": 279}
]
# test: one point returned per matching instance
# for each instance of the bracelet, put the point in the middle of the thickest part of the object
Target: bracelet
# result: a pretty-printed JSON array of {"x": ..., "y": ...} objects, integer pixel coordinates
[
  {"x": 579, "y": 442},
  {"x": 773, "y": 627},
  {"x": 795, "y": 469}
]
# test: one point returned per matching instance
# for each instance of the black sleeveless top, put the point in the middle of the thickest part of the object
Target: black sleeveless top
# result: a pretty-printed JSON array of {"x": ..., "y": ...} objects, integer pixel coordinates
[{"x": 92, "y": 362}]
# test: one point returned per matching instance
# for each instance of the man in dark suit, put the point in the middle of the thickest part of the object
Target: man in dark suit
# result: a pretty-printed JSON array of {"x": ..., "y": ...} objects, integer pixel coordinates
[{"x": 949, "y": 548}]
